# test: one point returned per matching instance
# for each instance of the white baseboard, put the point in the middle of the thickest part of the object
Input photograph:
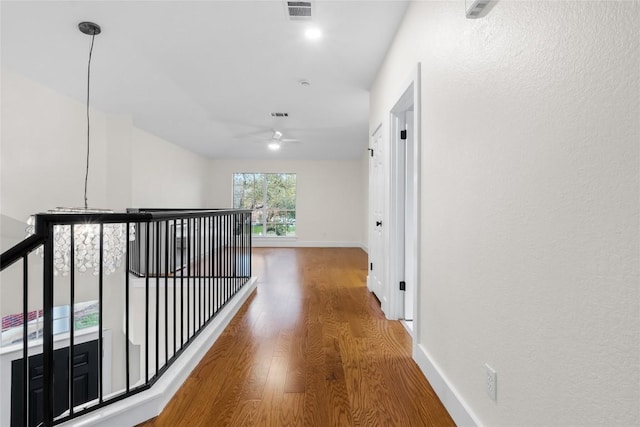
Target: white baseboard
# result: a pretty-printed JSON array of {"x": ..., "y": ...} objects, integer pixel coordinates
[
  {"x": 294, "y": 243},
  {"x": 148, "y": 404},
  {"x": 450, "y": 398}
]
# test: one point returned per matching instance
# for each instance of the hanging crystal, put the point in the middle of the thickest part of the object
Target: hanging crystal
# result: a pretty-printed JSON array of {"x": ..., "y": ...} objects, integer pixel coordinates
[{"x": 86, "y": 244}]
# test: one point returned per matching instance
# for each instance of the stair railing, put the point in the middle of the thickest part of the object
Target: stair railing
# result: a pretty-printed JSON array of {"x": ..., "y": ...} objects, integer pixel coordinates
[{"x": 181, "y": 267}]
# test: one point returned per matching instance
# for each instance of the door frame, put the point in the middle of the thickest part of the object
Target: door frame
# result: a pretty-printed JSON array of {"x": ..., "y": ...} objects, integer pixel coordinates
[{"x": 409, "y": 95}]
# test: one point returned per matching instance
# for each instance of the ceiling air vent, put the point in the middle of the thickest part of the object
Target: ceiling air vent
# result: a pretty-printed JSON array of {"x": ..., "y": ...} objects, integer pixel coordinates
[
  {"x": 298, "y": 10},
  {"x": 279, "y": 114},
  {"x": 476, "y": 8}
]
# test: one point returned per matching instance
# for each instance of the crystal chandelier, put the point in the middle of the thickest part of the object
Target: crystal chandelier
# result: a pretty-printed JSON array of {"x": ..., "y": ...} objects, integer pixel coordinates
[
  {"x": 86, "y": 244},
  {"x": 86, "y": 237}
]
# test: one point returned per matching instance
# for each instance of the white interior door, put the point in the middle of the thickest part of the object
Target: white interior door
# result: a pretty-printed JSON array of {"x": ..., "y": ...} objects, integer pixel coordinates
[{"x": 376, "y": 226}]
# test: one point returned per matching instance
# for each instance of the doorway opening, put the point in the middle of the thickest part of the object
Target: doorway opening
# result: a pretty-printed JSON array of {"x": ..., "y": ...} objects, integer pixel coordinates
[{"x": 405, "y": 201}]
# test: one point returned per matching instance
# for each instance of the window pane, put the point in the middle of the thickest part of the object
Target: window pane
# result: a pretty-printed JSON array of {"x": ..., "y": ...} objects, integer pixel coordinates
[
  {"x": 281, "y": 191},
  {"x": 248, "y": 190},
  {"x": 277, "y": 217}
]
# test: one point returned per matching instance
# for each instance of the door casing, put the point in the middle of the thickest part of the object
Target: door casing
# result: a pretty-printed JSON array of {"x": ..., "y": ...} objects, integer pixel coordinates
[{"x": 407, "y": 101}]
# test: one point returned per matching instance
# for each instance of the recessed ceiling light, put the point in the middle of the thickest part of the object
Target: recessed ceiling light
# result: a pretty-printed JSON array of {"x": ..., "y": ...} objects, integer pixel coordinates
[
  {"x": 313, "y": 34},
  {"x": 305, "y": 83}
]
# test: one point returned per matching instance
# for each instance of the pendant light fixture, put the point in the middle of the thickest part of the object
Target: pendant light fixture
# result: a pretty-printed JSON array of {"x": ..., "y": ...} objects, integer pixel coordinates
[{"x": 86, "y": 251}]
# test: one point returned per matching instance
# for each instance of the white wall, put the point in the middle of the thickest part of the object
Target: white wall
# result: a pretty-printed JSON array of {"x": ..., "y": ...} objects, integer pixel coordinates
[
  {"x": 364, "y": 177},
  {"x": 165, "y": 175},
  {"x": 43, "y": 150},
  {"x": 529, "y": 205},
  {"x": 331, "y": 197}
]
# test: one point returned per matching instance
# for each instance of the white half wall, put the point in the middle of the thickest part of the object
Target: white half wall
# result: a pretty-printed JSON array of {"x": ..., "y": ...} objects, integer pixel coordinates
[
  {"x": 331, "y": 197},
  {"x": 530, "y": 209}
]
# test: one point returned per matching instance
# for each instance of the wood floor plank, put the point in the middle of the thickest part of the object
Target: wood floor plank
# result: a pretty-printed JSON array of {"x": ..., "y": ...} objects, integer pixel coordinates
[{"x": 311, "y": 347}]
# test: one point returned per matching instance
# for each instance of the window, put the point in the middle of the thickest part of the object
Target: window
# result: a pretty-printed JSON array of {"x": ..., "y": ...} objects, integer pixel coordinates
[
  {"x": 85, "y": 315},
  {"x": 272, "y": 197}
]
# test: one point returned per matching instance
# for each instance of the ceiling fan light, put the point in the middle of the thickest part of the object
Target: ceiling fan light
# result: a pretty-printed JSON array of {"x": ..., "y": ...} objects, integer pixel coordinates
[
  {"x": 274, "y": 145},
  {"x": 313, "y": 33}
]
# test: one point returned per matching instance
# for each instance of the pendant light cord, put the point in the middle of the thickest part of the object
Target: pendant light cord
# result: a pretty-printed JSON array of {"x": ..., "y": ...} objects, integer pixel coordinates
[{"x": 86, "y": 175}]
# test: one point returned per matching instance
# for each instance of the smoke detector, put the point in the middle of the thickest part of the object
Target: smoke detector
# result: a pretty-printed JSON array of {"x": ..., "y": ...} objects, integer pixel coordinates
[{"x": 298, "y": 10}]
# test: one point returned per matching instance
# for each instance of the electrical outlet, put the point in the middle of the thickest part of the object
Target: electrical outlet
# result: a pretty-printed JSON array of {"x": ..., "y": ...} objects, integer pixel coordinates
[{"x": 491, "y": 382}]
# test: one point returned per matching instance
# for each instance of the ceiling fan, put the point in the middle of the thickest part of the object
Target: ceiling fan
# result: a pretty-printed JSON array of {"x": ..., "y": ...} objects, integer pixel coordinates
[{"x": 276, "y": 140}]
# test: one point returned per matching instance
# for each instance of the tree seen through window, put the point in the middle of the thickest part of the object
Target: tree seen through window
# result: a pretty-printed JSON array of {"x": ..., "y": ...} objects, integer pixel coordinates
[{"x": 271, "y": 197}]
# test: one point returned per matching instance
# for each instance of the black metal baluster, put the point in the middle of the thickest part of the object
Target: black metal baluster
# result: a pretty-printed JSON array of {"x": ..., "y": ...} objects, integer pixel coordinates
[
  {"x": 181, "y": 283},
  {"x": 126, "y": 309},
  {"x": 205, "y": 268},
  {"x": 47, "y": 339},
  {"x": 230, "y": 257},
  {"x": 196, "y": 279},
  {"x": 100, "y": 311},
  {"x": 246, "y": 232},
  {"x": 72, "y": 298},
  {"x": 156, "y": 245},
  {"x": 194, "y": 282},
  {"x": 166, "y": 292},
  {"x": 226, "y": 259},
  {"x": 188, "y": 276},
  {"x": 25, "y": 340},
  {"x": 146, "y": 304},
  {"x": 200, "y": 259},
  {"x": 175, "y": 272},
  {"x": 210, "y": 259},
  {"x": 218, "y": 261},
  {"x": 250, "y": 237}
]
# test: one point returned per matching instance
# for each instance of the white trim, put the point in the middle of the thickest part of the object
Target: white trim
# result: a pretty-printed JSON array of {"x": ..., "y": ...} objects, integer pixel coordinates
[
  {"x": 459, "y": 410},
  {"x": 408, "y": 95},
  {"x": 148, "y": 404},
  {"x": 293, "y": 243}
]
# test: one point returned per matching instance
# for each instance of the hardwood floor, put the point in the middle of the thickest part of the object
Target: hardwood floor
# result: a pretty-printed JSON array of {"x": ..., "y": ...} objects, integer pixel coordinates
[{"x": 310, "y": 347}]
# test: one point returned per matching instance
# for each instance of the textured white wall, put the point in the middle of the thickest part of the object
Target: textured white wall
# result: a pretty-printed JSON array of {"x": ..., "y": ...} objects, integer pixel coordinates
[
  {"x": 530, "y": 204},
  {"x": 330, "y": 205},
  {"x": 165, "y": 175}
]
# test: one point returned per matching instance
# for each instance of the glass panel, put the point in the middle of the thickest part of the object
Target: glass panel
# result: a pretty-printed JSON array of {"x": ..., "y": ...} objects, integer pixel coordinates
[
  {"x": 248, "y": 191},
  {"x": 281, "y": 223},
  {"x": 281, "y": 191},
  {"x": 278, "y": 217}
]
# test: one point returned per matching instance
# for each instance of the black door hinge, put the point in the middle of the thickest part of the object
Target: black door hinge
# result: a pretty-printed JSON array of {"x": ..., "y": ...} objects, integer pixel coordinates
[
  {"x": 371, "y": 266},
  {"x": 403, "y": 135},
  {"x": 371, "y": 151},
  {"x": 403, "y": 286}
]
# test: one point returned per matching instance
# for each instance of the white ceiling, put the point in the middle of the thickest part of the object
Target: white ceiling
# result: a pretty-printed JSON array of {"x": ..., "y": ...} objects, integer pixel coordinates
[{"x": 207, "y": 74}]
